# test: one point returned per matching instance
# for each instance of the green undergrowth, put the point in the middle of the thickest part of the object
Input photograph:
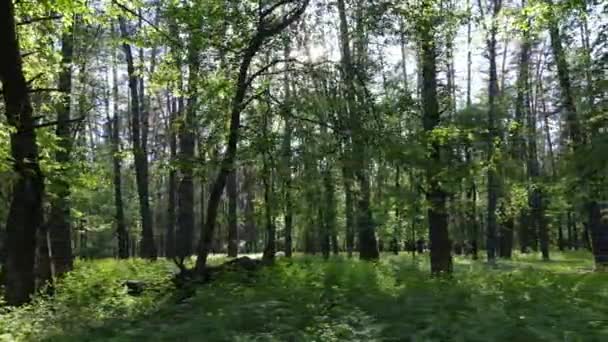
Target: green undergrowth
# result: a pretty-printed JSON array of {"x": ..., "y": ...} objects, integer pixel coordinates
[{"x": 308, "y": 299}]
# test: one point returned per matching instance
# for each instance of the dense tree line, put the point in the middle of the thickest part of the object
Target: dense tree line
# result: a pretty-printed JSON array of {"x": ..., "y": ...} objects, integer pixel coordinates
[{"x": 178, "y": 128}]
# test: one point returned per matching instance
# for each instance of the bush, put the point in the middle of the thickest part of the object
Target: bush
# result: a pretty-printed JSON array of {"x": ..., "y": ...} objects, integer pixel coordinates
[{"x": 85, "y": 298}]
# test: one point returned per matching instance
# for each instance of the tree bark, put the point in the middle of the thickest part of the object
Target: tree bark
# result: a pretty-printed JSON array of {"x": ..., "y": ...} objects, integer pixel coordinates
[{"x": 25, "y": 213}]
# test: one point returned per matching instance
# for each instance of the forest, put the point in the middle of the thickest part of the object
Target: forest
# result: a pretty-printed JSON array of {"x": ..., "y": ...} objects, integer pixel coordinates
[{"x": 304, "y": 170}]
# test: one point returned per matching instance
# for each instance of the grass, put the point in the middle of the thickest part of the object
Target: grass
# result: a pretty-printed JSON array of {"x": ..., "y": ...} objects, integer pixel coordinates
[{"x": 308, "y": 299}]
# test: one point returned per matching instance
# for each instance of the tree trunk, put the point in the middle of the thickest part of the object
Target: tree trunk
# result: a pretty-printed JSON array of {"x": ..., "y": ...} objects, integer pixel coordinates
[
  {"x": 170, "y": 245},
  {"x": 441, "y": 249},
  {"x": 348, "y": 212},
  {"x": 233, "y": 228},
  {"x": 270, "y": 248},
  {"x": 493, "y": 98},
  {"x": 287, "y": 158},
  {"x": 506, "y": 238},
  {"x": 140, "y": 155},
  {"x": 368, "y": 246},
  {"x": 265, "y": 31},
  {"x": 59, "y": 224},
  {"x": 185, "y": 190},
  {"x": 330, "y": 209},
  {"x": 121, "y": 227},
  {"x": 599, "y": 235},
  {"x": 25, "y": 213}
]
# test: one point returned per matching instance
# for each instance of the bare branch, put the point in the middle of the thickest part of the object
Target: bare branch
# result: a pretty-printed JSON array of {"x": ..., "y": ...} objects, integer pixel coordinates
[
  {"x": 34, "y": 78},
  {"x": 269, "y": 10},
  {"x": 35, "y": 20},
  {"x": 266, "y": 68},
  {"x": 53, "y": 123},
  {"x": 42, "y": 90},
  {"x": 171, "y": 39}
]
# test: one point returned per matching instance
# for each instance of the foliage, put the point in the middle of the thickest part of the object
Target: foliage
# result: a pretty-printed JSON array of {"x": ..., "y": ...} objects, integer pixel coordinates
[
  {"x": 307, "y": 299},
  {"x": 87, "y": 297}
]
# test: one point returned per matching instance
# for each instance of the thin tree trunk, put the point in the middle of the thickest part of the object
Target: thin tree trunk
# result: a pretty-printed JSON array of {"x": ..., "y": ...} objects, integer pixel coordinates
[
  {"x": 287, "y": 159},
  {"x": 170, "y": 245},
  {"x": 59, "y": 224},
  {"x": 368, "y": 246},
  {"x": 493, "y": 97},
  {"x": 330, "y": 209},
  {"x": 522, "y": 112},
  {"x": 469, "y": 52},
  {"x": 25, "y": 213},
  {"x": 348, "y": 211},
  {"x": 270, "y": 248},
  {"x": 148, "y": 248},
  {"x": 233, "y": 229},
  {"x": 265, "y": 32},
  {"x": 121, "y": 227}
]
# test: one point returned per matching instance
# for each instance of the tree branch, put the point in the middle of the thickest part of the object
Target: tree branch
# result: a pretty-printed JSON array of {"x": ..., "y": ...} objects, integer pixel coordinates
[
  {"x": 53, "y": 123},
  {"x": 42, "y": 90},
  {"x": 34, "y": 78},
  {"x": 35, "y": 20},
  {"x": 265, "y": 68},
  {"x": 171, "y": 39}
]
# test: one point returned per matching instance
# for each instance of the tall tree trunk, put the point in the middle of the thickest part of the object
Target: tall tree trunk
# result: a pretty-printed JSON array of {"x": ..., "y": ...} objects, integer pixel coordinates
[
  {"x": 25, "y": 213},
  {"x": 121, "y": 226},
  {"x": 469, "y": 52},
  {"x": 233, "y": 228},
  {"x": 185, "y": 190},
  {"x": 140, "y": 155},
  {"x": 441, "y": 249},
  {"x": 471, "y": 194},
  {"x": 522, "y": 112},
  {"x": 59, "y": 224},
  {"x": 368, "y": 246},
  {"x": 493, "y": 98},
  {"x": 170, "y": 245},
  {"x": 287, "y": 158}
]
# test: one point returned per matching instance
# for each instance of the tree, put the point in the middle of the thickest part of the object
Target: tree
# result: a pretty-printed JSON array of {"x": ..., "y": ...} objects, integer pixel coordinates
[
  {"x": 140, "y": 154},
  {"x": 268, "y": 27},
  {"x": 495, "y": 7},
  {"x": 25, "y": 213},
  {"x": 441, "y": 258},
  {"x": 368, "y": 248}
]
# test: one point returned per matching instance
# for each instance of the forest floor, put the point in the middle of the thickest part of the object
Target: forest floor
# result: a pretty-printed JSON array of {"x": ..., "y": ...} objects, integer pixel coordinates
[{"x": 308, "y": 299}]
